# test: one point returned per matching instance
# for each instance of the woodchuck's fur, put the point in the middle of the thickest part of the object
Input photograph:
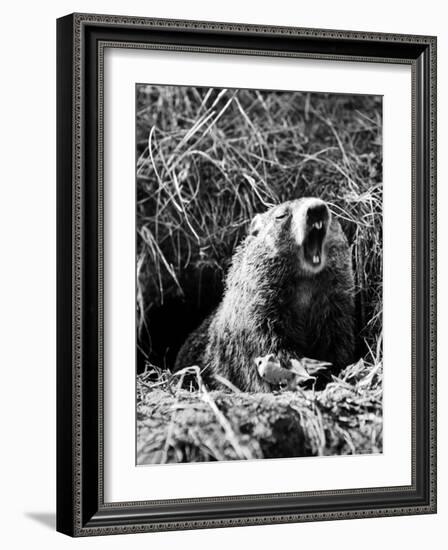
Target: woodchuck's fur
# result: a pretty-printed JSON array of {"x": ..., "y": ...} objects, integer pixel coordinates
[{"x": 289, "y": 291}]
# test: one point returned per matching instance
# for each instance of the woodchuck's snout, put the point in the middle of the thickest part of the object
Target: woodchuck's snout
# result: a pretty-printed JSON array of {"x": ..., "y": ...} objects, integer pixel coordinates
[
  {"x": 298, "y": 228},
  {"x": 289, "y": 291},
  {"x": 316, "y": 226}
]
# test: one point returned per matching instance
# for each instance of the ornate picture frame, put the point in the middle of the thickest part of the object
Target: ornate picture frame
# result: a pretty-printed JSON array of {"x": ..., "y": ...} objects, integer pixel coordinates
[{"x": 81, "y": 506}]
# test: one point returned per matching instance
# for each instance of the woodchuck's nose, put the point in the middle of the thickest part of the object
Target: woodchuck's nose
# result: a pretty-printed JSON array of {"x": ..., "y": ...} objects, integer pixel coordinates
[
  {"x": 317, "y": 215},
  {"x": 310, "y": 215}
]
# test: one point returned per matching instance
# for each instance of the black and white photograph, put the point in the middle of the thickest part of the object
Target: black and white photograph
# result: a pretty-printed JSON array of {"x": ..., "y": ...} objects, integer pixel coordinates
[{"x": 258, "y": 274}]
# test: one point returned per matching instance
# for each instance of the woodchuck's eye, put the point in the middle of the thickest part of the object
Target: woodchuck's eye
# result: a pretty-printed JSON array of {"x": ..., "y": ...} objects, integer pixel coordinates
[{"x": 281, "y": 215}]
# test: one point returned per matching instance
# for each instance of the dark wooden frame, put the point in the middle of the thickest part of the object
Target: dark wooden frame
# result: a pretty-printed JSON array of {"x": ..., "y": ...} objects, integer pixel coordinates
[{"x": 81, "y": 39}]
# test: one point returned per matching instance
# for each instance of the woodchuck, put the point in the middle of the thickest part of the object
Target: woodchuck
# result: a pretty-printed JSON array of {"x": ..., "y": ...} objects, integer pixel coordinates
[{"x": 289, "y": 291}]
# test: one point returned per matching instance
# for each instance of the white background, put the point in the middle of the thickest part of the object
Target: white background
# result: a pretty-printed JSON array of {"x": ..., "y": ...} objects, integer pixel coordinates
[
  {"x": 27, "y": 301},
  {"x": 125, "y": 482}
]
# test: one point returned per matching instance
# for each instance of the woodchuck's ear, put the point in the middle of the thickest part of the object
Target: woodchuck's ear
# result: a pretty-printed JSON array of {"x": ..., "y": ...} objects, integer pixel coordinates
[{"x": 255, "y": 225}]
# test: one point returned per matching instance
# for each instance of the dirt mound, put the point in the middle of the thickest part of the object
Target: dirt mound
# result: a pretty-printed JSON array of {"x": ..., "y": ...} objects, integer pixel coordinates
[{"x": 177, "y": 425}]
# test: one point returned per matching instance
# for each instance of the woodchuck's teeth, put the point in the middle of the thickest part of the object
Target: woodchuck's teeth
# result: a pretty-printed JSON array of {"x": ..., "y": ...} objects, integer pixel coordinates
[
  {"x": 316, "y": 259},
  {"x": 318, "y": 225}
]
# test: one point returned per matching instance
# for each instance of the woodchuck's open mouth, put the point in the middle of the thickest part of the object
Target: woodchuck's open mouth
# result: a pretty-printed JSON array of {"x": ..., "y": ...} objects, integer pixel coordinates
[{"x": 316, "y": 230}]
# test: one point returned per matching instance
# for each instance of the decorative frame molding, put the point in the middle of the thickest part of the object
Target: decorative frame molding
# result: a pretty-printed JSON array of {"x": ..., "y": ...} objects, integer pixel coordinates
[{"x": 81, "y": 41}]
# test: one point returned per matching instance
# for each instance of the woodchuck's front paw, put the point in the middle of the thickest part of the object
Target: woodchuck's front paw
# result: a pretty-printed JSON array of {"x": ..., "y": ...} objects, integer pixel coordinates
[
  {"x": 271, "y": 371},
  {"x": 300, "y": 371}
]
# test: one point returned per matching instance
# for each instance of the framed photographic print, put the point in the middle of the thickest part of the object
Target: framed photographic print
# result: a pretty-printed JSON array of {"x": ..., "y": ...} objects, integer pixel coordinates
[{"x": 246, "y": 274}]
